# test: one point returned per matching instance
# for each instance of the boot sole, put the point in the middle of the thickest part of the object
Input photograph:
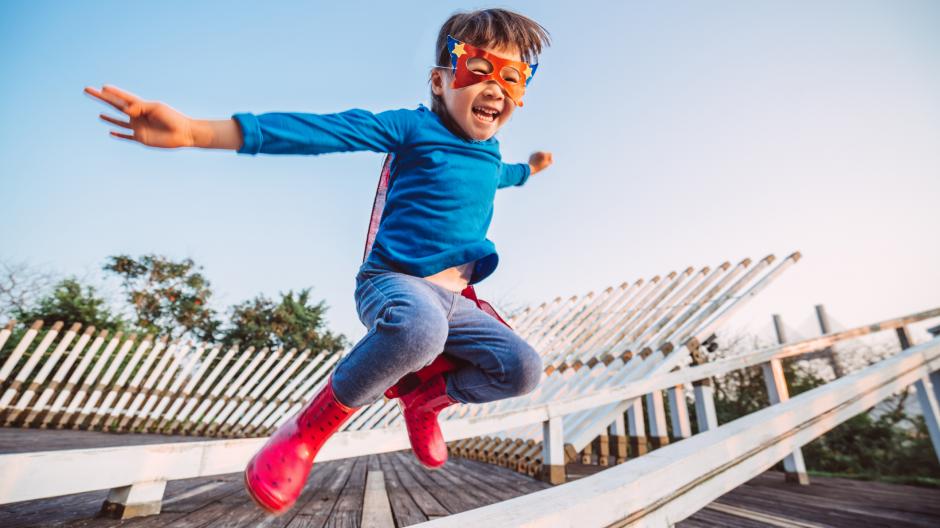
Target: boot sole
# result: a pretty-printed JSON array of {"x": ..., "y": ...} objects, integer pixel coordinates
[{"x": 256, "y": 500}]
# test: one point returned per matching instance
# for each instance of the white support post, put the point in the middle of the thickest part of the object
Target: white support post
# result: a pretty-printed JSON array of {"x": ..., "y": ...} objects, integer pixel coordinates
[
  {"x": 138, "y": 499},
  {"x": 617, "y": 433},
  {"x": 777, "y": 392},
  {"x": 705, "y": 415},
  {"x": 679, "y": 412},
  {"x": 636, "y": 427},
  {"x": 553, "y": 451},
  {"x": 657, "y": 420},
  {"x": 928, "y": 394},
  {"x": 829, "y": 352}
]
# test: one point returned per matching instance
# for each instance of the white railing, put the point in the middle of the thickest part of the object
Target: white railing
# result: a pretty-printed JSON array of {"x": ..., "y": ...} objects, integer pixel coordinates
[
  {"x": 672, "y": 483},
  {"x": 37, "y": 475}
]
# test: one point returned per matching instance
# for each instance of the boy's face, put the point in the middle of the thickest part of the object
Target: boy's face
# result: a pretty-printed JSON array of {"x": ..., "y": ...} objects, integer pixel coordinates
[{"x": 480, "y": 109}]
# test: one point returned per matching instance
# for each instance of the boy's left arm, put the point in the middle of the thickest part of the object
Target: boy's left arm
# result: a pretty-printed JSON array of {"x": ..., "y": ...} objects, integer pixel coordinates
[{"x": 517, "y": 173}]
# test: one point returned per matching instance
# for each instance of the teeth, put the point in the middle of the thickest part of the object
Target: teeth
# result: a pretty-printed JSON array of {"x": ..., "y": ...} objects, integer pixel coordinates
[{"x": 488, "y": 111}]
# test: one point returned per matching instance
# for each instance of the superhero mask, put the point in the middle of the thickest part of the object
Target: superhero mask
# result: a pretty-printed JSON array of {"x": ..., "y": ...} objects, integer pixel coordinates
[{"x": 473, "y": 65}]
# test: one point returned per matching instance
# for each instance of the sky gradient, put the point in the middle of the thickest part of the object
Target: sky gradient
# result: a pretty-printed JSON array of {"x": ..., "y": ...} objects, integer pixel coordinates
[{"x": 683, "y": 134}]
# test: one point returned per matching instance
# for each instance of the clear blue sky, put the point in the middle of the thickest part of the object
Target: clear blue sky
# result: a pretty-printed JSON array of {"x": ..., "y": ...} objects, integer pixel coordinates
[{"x": 683, "y": 134}]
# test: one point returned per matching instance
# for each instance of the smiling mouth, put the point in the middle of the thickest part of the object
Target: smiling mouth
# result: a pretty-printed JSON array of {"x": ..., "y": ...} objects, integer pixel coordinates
[{"x": 487, "y": 115}]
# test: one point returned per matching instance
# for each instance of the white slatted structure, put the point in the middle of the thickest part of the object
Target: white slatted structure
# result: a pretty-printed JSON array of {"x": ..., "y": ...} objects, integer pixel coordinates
[{"x": 83, "y": 380}]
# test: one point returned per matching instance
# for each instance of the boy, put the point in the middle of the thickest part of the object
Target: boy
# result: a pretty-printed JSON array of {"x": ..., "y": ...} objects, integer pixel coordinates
[{"x": 430, "y": 245}]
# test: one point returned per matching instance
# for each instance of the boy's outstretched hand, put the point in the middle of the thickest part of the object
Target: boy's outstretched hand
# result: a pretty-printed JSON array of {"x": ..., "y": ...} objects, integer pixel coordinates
[
  {"x": 539, "y": 161},
  {"x": 151, "y": 123},
  {"x": 156, "y": 124}
]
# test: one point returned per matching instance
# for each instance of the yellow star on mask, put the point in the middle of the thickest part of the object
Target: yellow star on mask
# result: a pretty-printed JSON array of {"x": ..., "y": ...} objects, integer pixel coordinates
[
  {"x": 458, "y": 50},
  {"x": 528, "y": 71}
]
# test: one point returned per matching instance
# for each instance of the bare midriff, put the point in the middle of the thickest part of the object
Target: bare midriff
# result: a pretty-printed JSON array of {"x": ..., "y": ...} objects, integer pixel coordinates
[{"x": 454, "y": 279}]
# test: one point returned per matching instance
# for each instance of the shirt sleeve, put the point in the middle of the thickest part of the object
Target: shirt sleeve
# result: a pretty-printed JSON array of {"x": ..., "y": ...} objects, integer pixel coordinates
[
  {"x": 513, "y": 174},
  {"x": 301, "y": 133}
]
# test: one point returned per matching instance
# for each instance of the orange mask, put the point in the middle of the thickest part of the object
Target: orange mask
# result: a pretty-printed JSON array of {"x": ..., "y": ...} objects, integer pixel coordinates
[{"x": 473, "y": 65}]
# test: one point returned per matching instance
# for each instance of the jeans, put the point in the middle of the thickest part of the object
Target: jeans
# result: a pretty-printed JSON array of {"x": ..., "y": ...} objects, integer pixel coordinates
[{"x": 411, "y": 321}]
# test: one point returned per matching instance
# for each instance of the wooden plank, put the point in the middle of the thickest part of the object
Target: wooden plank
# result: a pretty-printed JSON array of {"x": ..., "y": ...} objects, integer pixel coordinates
[
  {"x": 430, "y": 505},
  {"x": 404, "y": 508},
  {"x": 771, "y": 520},
  {"x": 463, "y": 499},
  {"x": 498, "y": 482},
  {"x": 376, "y": 509},
  {"x": 315, "y": 512},
  {"x": 497, "y": 476}
]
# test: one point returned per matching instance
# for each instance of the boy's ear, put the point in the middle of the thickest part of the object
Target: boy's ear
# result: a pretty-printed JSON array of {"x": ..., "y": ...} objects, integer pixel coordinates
[{"x": 437, "y": 82}]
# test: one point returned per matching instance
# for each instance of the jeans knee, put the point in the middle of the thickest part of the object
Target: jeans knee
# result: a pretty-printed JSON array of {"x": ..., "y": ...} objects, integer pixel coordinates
[
  {"x": 525, "y": 372},
  {"x": 419, "y": 334}
]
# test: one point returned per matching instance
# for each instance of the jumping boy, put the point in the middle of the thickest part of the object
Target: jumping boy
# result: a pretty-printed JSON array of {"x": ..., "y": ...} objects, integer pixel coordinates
[{"x": 430, "y": 245}]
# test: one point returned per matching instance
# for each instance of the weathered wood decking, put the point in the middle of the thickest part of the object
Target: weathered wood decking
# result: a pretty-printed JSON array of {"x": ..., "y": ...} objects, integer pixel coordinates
[{"x": 334, "y": 496}]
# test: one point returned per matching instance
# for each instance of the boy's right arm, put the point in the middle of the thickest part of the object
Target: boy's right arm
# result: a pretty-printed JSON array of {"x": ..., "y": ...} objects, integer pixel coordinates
[{"x": 157, "y": 125}]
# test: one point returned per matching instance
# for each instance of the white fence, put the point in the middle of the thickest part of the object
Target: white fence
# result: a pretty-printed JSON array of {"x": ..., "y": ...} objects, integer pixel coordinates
[{"x": 87, "y": 381}]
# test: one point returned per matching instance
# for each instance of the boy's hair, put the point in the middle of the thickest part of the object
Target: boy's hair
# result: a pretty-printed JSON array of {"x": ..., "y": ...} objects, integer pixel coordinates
[{"x": 489, "y": 28}]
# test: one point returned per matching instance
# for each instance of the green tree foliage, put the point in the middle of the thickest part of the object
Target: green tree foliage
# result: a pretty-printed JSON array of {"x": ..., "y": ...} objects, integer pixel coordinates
[
  {"x": 167, "y": 298},
  {"x": 291, "y": 322},
  {"x": 70, "y": 302}
]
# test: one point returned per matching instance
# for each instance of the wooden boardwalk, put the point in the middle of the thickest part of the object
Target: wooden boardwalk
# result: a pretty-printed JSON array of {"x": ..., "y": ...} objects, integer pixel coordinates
[{"x": 334, "y": 495}]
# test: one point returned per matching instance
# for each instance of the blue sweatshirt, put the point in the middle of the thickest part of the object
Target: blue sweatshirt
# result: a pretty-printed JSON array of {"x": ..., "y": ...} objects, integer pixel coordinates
[{"x": 440, "y": 203}]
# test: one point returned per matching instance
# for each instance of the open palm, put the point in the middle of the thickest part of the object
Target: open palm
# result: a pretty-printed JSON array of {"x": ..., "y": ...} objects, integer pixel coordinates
[{"x": 149, "y": 122}]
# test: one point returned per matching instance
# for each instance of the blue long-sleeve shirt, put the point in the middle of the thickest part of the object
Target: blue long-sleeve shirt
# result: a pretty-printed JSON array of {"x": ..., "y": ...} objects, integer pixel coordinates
[{"x": 440, "y": 204}]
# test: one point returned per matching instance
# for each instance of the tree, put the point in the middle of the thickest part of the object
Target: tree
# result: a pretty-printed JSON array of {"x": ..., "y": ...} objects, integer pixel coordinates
[
  {"x": 293, "y": 322},
  {"x": 168, "y": 298},
  {"x": 70, "y": 303},
  {"x": 21, "y": 286}
]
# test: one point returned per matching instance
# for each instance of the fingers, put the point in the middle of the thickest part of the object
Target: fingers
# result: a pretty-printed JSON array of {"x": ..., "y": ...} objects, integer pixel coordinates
[
  {"x": 113, "y": 121},
  {"x": 109, "y": 98},
  {"x": 114, "y": 96},
  {"x": 123, "y": 136},
  {"x": 126, "y": 96}
]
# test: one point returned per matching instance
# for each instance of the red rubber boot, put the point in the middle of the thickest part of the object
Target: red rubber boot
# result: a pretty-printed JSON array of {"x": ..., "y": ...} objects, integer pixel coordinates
[
  {"x": 420, "y": 408},
  {"x": 278, "y": 472}
]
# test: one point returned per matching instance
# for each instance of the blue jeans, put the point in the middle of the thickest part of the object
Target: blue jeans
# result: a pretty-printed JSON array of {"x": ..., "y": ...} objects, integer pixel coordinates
[{"x": 411, "y": 321}]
